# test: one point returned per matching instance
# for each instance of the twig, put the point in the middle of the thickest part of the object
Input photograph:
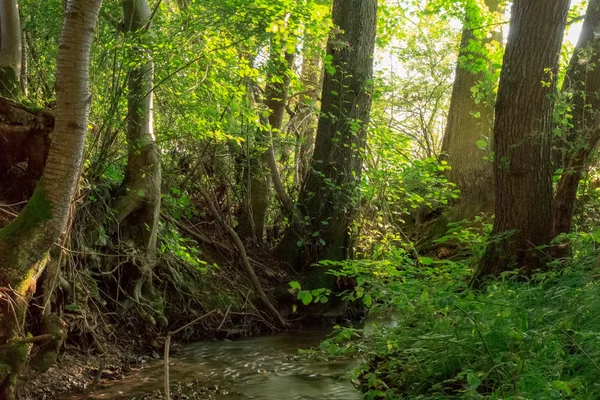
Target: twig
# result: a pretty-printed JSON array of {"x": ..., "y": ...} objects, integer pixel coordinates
[
  {"x": 224, "y": 318},
  {"x": 168, "y": 346},
  {"x": 166, "y": 361},
  {"x": 94, "y": 383}
]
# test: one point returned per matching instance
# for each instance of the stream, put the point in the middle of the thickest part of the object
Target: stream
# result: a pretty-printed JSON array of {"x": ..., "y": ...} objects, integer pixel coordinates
[{"x": 266, "y": 368}]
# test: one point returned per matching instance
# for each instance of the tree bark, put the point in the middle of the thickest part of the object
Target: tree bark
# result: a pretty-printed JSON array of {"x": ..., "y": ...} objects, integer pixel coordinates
[
  {"x": 10, "y": 49},
  {"x": 263, "y": 169},
  {"x": 522, "y": 135},
  {"x": 328, "y": 197},
  {"x": 306, "y": 118},
  {"x": 137, "y": 210},
  {"x": 25, "y": 242},
  {"x": 583, "y": 81},
  {"x": 470, "y": 121}
]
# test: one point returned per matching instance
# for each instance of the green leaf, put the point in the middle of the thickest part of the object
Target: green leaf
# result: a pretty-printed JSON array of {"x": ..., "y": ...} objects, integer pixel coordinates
[
  {"x": 424, "y": 296},
  {"x": 306, "y": 297},
  {"x": 426, "y": 260},
  {"x": 295, "y": 285}
]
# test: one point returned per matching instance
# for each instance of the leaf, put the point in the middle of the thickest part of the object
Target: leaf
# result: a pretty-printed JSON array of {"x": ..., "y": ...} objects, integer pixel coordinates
[
  {"x": 306, "y": 297},
  {"x": 368, "y": 300},
  {"x": 299, "y": 243},
  {"x": 482, "y": 144},
  {"x": 424, "y": 296},
  {"x": 426, "y": 260},
  {"x": 295, "y": 285}
]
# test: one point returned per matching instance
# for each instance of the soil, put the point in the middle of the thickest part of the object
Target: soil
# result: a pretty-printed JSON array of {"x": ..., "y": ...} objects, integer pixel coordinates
[{"x": 76, "y": 373}]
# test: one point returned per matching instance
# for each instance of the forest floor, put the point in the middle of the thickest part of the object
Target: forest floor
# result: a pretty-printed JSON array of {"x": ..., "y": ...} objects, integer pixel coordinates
[{"x": 77, "y": 372}]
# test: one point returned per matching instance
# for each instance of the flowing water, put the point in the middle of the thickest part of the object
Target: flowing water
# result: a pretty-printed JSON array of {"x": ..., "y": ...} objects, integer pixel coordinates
[{"x": 265, "y": 368}]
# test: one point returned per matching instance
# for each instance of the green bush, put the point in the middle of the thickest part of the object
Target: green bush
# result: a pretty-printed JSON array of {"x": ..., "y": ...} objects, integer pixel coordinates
[{"x": 430, "y": 336}]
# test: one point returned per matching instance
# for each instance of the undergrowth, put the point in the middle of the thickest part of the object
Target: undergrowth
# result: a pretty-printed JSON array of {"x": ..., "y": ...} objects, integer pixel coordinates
[{"x": 430, "y": 336}]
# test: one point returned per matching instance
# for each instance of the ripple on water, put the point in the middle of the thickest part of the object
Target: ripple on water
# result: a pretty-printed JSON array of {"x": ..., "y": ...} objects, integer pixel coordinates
[{"x": 257, "y": 368}]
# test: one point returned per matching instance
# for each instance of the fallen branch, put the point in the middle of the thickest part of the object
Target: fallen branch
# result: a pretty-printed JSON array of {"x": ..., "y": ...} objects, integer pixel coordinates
[{"x": 244, "y": 258}]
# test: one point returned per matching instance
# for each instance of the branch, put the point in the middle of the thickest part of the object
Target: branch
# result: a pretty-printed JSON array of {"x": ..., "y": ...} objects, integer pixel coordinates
[{"x": 245, "y": 261}]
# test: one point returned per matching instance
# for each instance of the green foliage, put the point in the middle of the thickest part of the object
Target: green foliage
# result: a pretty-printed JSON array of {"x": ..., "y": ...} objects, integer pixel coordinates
[
  {"x": 309, "y": 296},
  {"x": 431, "y": 336},
  {"x": 183, "y": 250}
]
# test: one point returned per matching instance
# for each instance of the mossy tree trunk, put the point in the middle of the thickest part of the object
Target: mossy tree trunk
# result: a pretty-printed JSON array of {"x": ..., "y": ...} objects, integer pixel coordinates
[
  {"x": 329, "y": 195},
  {"x": 583, "y": 81},
  {"x": 471, "y": 121},
  {"x": 10, "y": 49},
  {"x": 137, "y": 209},
  {"x": 522, "y": 135},
  {"x": 25, "y": 242}
]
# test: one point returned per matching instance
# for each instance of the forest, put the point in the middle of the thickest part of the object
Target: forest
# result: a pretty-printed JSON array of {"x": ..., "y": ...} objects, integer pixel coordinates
[{"x": 299, "y": 199}]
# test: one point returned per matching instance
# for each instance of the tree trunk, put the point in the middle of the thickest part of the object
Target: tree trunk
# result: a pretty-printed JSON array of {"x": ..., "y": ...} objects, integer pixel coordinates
[
  {"x": 583, "y": 81},
  {"x": 263, "y": 169},
  {"x": 330, "y": 192},
  {"x": 10, "y": 49},
  {"x": 25, "y": 242},
  {"x": 522, "y": 136},
  {"x": 306, "y": 115},
  {"x": 470, "y": 121},
  {"x": 137, "y": 210}
]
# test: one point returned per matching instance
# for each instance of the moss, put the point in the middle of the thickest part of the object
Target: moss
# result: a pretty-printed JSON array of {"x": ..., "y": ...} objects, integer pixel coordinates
[
  {"x": 37, "y": 209},
  {"x": 12, "y": 237},
  {"x": 5, "y": 371},
  {"x": 12, "y": 357}
]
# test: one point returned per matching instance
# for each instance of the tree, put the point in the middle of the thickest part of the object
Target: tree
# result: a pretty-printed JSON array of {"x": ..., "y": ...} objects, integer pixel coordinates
[
  {"x": 137, "y": 210},
  {"x": 469, "y": 121},
  {"x": 10, "y": 49},
  {"x": 522, "y": 165},
  {"x": 263, "y": 168},
  {"x": 25, "y": 242},
  {"x": 328, "y": 197},
  {"x": 582, "y": 81},
  {"x": 305, "y": 120}
]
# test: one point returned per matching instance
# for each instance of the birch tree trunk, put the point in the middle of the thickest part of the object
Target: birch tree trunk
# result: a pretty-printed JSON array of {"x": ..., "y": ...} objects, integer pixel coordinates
[
  {"x": 25, "y": 242},
  {"x": 522, "y": 134}
]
